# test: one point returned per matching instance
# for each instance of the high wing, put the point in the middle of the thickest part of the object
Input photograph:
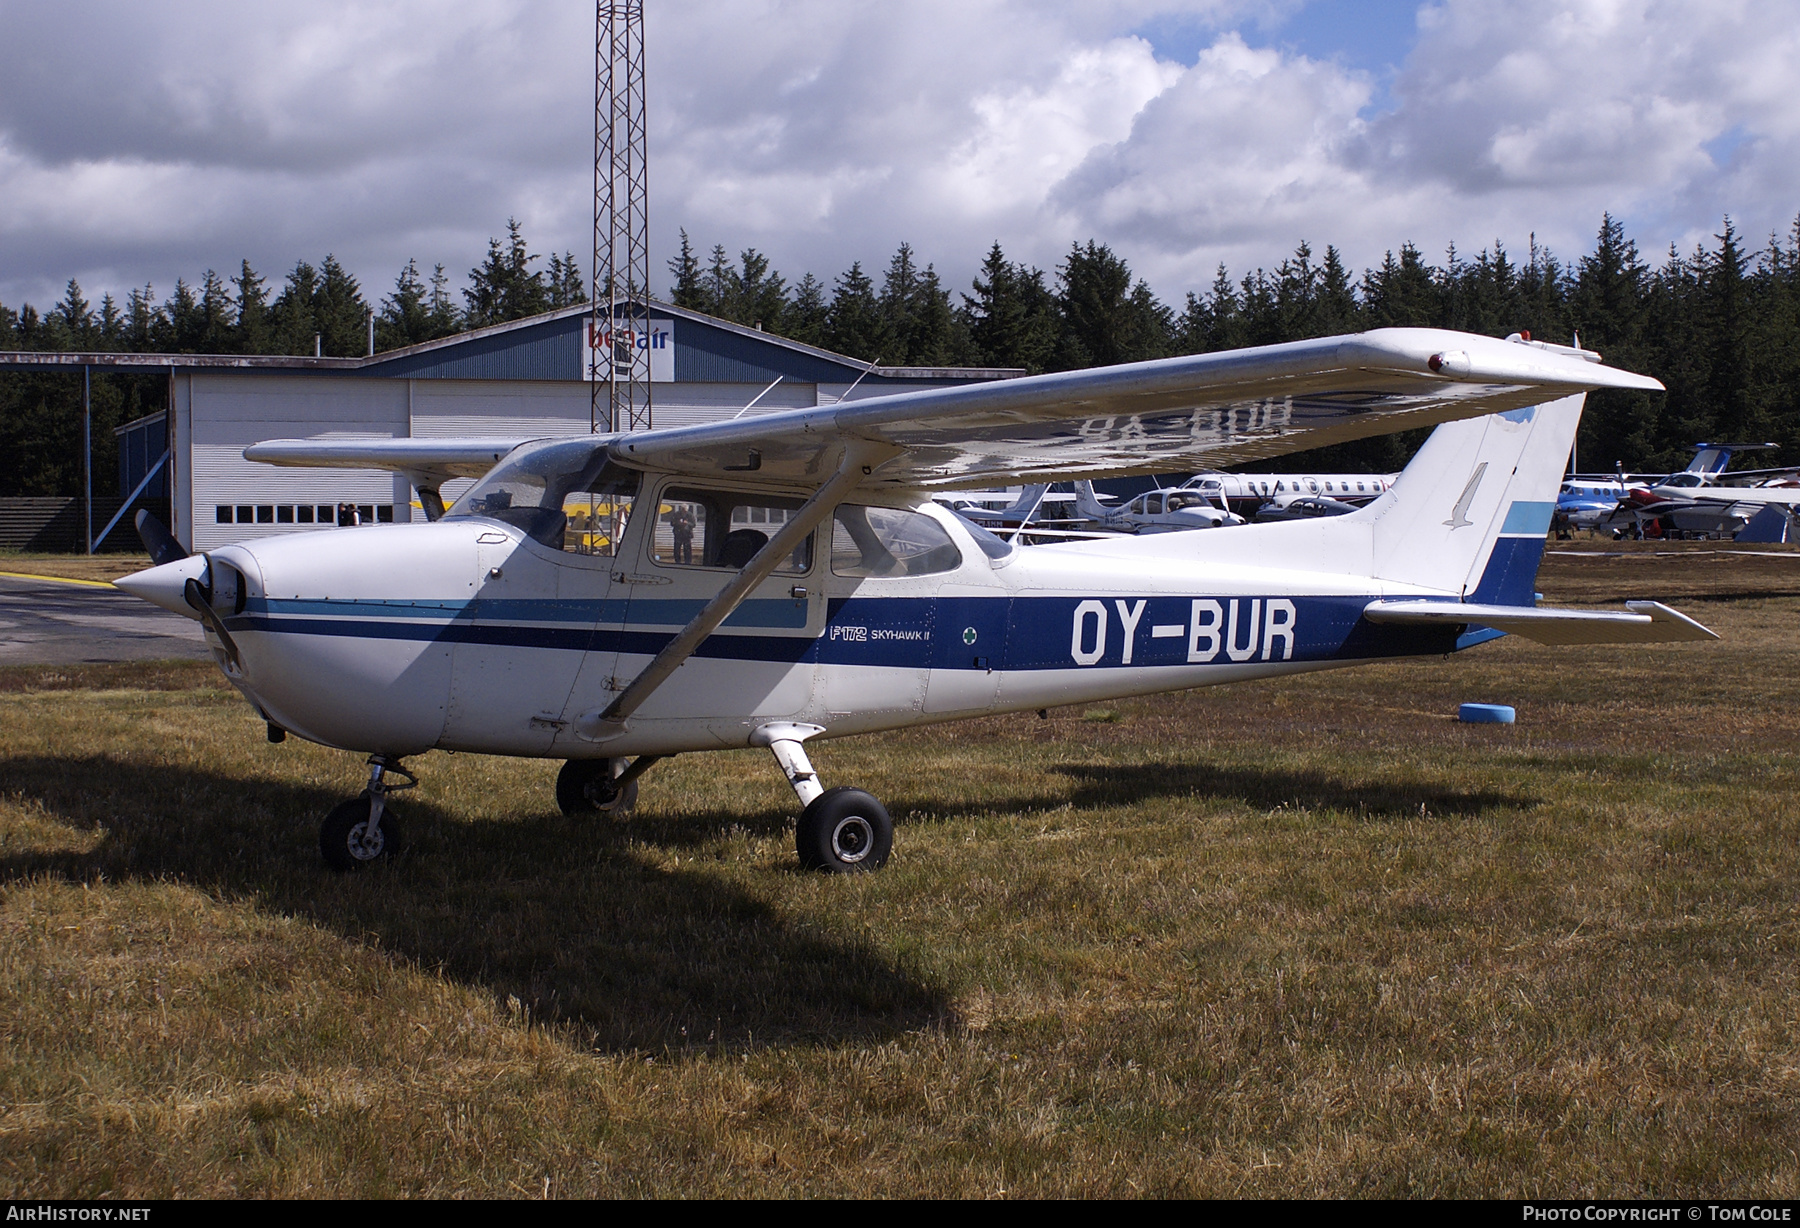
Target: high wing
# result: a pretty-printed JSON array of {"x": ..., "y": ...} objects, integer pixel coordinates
[
  {"x": 1167, "y": 415},
  {"x": 425, "y": 462}
]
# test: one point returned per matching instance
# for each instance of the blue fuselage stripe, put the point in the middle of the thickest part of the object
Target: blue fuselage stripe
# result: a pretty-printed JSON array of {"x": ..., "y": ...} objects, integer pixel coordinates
[{"x": 976, "y": 633}]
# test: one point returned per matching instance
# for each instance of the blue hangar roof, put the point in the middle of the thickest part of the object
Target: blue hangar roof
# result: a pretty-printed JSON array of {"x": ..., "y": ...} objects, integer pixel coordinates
[{"x": 549, "y": 347}]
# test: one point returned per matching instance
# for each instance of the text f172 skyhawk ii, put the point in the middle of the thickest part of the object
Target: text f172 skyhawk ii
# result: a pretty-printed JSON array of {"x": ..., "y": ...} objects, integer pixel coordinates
[{"x": 613, "y": 600}]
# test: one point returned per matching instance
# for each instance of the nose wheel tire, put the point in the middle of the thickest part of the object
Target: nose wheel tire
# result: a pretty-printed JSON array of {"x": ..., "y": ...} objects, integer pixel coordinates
[
  {"x": 585, "y": 787},
  {"x": 844, "y": 831},
  {"x": 347, "y": 841}
]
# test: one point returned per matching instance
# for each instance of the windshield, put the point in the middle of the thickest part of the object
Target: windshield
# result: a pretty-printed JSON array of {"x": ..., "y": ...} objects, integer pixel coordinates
[
  {"x": 997, "y": 549},
  {"x": 564, "y": 494}
]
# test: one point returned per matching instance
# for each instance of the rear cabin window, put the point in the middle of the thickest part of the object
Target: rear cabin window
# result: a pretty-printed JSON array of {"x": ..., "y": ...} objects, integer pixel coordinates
[
  {"x": 720, "y": 528},
  {"x": 879, "y": 542}
]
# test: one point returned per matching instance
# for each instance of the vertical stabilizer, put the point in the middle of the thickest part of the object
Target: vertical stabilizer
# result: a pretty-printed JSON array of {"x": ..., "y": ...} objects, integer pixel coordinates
[
  {"x": 1469, "y": 514},
  {"x": 1088, "y": 507}
]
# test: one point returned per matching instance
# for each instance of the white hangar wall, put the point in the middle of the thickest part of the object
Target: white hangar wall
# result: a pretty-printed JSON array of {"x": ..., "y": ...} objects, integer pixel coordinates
[
  {"x": 521, "y": 380},
  {"x": 221, "y": 498}
]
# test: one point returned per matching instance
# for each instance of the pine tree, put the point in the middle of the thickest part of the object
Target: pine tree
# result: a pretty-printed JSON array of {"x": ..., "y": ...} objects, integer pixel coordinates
[
  {"x": 405, "y": 319},
  {"x": 807, "y": 313},
  {"x": 504, "y": 287},
  {"x": 1297, "y": 296},
  {"x": 445, "y": 319},
  {"x": 897, "y": 302},
  {"x": 1336, "y": 310},
  {"x": 1402, "y": 293},
  {"x": 142, "y": 319},
  {"x": 938, "y": 338},
  {"x": 1609, "y": 309},
  {"x": 853, "y": 323},
  {"x": 760, "y": 294},
  {"x": 186, "y": 323},
  {"x": 340, "y": 311},
  {"x": 255, "y": 332},
  {"x": 684, "y": 274},
  {"x": 295, "y": 325},
  {"x": 719, "y": 286},
  {"x": 1011, "y": 319},
  {"x": 71, "y": 321},
  {"x": 1105, "y": 318},
  {"x": 216, "y": 335},
  {"x": 566, "y": 284},
  {"x": 112, "y": 324},
  {"x": 1225, "y": 315},
  {"x": 1727, "y": 307}
]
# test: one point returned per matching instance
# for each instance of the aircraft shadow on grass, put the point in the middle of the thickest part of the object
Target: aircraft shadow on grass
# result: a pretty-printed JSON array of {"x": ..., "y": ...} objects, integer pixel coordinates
[
  {"x": 568, "y": 917},
  {"x": 1123, "y": 784}
]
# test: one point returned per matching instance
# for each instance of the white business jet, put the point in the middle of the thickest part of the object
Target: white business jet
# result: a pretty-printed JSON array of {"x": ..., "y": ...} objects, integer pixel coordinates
[
  {"x": 1249, "y": 493},
  {"x": 612, "y": 600}
]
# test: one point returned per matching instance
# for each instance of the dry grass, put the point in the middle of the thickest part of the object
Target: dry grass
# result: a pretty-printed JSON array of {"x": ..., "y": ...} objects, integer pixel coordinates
[
  {"x": 1313, "y": 938},
  {"x": 73, "y": 566}
]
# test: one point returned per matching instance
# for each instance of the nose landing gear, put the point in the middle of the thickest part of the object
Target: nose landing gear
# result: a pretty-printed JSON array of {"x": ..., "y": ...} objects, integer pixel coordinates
[
  {"x": 842, "y": 830},
  {"x": 366, "y": 828}
]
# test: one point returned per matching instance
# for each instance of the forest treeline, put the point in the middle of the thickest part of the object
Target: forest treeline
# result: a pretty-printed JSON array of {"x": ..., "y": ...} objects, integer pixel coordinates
[{"x": 1720, "y": 325}]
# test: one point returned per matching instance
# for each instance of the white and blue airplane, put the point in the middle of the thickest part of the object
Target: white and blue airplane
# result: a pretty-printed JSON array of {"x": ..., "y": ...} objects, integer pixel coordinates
[{"x": 612, "y": 600}]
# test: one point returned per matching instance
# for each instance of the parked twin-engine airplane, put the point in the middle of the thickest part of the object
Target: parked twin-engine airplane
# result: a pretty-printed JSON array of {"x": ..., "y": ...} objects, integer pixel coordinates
[{"x": 612, "y": 600}]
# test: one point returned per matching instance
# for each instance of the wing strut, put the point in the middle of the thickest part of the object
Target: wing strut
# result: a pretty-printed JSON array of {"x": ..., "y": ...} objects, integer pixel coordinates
[{"x": 859, "y": 460}]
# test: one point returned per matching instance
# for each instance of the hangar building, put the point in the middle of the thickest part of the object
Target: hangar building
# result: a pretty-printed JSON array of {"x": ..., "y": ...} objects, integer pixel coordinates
[{"x": 526, "y": 378}]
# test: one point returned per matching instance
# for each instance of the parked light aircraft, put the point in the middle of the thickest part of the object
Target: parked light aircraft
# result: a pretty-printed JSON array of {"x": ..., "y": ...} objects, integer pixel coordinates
[
  {"x": 765, "y": 582},
  {"x": 1301, "y": 507},
  {"x": 1611, "y": 500},
  {"x": 1706, "y": 499},
  {"x": 1154, "y": 511},
  {"x": 976, "y": 506}
]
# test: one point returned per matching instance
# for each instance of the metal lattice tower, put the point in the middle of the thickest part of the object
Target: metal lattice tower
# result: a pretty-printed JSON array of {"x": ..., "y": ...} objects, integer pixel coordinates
[{"x": 620, "y": 375}]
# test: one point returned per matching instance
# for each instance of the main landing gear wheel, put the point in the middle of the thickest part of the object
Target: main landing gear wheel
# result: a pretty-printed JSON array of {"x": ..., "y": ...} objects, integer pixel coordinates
[
  {"x": 586, "y": 787},
  {"x": 347, "y": 841},
  {"x": 844, "y": 831}
]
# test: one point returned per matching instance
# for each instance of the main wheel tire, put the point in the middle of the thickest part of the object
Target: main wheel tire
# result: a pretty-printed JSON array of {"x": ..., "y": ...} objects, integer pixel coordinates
[
  {"x": 844, "y": 831},
  {"x": 584, "y": 787},
  {"x": 344, "y": 837}
]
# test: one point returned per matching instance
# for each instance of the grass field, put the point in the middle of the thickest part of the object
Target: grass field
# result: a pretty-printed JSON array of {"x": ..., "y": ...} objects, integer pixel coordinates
[{"x": 1309, "y": 938}]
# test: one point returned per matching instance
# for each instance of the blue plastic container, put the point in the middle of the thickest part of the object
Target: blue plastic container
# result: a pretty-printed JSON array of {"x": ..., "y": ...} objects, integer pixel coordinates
[{"x": 1485, "y": 714}]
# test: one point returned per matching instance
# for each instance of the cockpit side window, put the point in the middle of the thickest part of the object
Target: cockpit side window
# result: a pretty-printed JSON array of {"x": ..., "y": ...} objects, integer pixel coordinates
[
  {"x": 720, "y": 528},
  {"x": 874, "y": 542}
]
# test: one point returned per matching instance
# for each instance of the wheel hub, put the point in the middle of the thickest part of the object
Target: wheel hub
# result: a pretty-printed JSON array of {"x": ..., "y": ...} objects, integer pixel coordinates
[
  {"x": 852, "y": 839},
  {"x": 366, "y": 844}
]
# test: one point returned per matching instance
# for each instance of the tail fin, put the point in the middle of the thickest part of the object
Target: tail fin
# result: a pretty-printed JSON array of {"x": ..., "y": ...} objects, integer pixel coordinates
[
  {"x": 1088, "y": 507},
  {"x": 1469, "y": 514},
  {"x": 1026, "y": 505}
]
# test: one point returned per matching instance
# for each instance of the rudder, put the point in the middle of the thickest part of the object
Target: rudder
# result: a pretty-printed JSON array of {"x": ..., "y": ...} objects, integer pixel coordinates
[{"x": 1469, "y": 514}]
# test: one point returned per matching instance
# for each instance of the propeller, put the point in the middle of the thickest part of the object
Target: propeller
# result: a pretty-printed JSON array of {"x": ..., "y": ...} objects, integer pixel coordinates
[{"x": 157, "y": 539}]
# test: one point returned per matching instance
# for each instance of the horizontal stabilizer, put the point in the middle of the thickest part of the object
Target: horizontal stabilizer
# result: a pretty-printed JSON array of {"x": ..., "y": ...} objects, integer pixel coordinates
[{"x": 1642, "y": 622}]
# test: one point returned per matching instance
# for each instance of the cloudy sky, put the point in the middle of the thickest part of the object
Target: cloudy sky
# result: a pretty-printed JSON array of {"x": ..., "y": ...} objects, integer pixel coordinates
[{"x": 144, "y": 141}]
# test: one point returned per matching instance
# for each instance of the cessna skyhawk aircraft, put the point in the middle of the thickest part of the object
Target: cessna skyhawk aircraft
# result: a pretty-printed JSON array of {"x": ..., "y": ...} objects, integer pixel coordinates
[{"x": 611, "y": 600}]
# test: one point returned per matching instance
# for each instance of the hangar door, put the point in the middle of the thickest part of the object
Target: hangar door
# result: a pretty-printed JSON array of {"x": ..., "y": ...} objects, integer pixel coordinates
[{"x": 230, "y": 499}]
